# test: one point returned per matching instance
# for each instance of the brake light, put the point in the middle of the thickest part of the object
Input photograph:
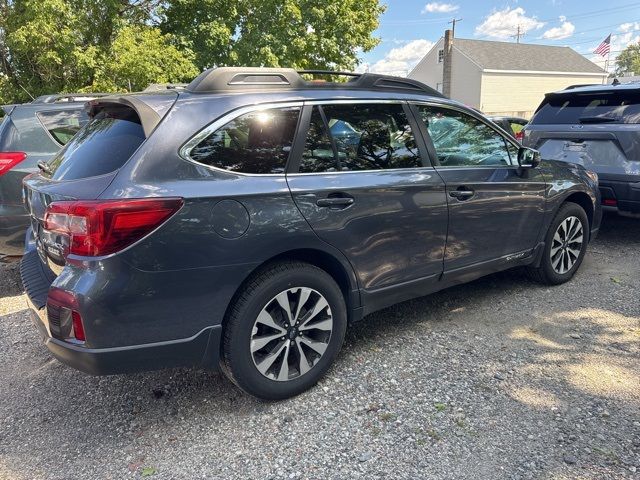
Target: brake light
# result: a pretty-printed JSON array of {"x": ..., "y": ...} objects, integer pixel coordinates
[
  {"x": 62, "y": 312},
  {"x": 102, "y": 227},
  {"x": 520, "y": 135},
  {"x": 8, "y": 160}
]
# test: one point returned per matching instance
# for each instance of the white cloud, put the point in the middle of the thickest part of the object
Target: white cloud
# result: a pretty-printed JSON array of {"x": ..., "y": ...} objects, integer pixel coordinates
[
  {"x": 563, "y": 31},
  {"x": 399, "y": 61},
  {"x": 503, "y": 24},
  {"x": 436, "y": 7}
]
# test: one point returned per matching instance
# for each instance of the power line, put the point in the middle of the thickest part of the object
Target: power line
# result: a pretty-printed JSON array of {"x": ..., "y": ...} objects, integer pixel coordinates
[{"x": 518, "y": 34}]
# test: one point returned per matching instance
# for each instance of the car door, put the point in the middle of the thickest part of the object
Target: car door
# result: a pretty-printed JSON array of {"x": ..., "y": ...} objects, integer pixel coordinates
[
  {"x": 496, "y": 208},
  {"x": 360, "y": 181}
]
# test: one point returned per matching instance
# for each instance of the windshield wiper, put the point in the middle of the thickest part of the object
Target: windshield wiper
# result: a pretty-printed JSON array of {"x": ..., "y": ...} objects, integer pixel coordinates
[
  {"x": 598, "y": 119},
  {"x": 43, "y": 166}
]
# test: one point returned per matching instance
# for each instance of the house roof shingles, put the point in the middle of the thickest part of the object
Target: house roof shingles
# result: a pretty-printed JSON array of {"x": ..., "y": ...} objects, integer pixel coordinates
[{"x": 523, "y": 56}]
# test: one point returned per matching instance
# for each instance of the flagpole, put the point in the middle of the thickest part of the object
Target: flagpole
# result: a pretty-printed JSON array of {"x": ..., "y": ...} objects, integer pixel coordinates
[{"x": 606, "y": 67}]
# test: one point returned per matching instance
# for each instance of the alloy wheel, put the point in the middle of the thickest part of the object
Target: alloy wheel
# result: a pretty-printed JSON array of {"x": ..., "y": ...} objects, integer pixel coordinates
[
  {"x": 567, "y": 244},
  {"x": 291, "y": 334}
]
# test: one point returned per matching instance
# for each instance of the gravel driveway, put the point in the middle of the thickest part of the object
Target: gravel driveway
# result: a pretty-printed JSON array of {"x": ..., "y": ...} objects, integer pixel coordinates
[{"x": 498, "y": 379}]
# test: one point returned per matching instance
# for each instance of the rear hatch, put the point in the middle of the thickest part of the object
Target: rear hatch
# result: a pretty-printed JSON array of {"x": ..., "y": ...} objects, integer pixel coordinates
[
  {"x": 599, "y": 129},
  {"x": 86, "y": 166}
]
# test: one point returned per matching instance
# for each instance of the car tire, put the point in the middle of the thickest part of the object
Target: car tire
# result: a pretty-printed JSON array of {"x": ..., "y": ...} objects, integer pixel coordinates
[
  {"x": 563, "y": 254},
  {"x": 289, "y": 312}
]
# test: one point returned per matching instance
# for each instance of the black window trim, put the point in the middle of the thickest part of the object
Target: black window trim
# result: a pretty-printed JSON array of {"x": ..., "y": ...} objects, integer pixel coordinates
[
  {"x": 301, "y": 136},
  {"x": 184, "y": 151},
  {"x": 432, "y": 149}
]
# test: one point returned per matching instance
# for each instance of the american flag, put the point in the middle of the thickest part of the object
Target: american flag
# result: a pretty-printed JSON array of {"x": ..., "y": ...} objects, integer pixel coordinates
[{"x": 605, "y": 47}]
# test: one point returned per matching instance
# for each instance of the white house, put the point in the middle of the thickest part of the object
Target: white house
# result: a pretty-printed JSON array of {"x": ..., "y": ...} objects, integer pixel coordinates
[{"x": 501, "y": 78}]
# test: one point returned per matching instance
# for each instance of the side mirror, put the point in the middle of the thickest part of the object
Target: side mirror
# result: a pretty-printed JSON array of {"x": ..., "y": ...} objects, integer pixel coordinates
[{"x": 528, "y": 157}]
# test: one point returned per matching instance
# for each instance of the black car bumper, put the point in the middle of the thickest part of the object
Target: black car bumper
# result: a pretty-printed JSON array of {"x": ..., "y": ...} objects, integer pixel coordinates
[
  {"x": 621, "y": 192},
  {"x": 203, "y": 349}
]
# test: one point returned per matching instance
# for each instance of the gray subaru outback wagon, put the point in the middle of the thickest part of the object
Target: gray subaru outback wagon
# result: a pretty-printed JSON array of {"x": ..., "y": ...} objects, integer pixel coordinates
[{"x": 246, "y": 221}]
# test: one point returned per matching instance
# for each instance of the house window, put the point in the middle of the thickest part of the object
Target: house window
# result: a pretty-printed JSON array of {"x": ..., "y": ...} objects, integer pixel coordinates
[{"x": 441, "y": 55}]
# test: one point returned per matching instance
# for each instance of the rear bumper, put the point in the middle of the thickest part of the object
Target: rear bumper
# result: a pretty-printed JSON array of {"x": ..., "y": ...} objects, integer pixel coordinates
[
  {"x": 203, "y": 349},
  {"x": 624, "y": 189},
  {"x": 14, "y": 221}
]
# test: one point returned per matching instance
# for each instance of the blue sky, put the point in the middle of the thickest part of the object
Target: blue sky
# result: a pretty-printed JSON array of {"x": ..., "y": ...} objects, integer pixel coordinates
[{"x": 410, "y": 27}]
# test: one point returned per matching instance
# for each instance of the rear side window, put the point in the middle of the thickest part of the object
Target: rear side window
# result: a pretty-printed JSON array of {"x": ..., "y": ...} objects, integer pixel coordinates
[
  {"x": 102, "y": 146},
  {"x": 345, "y": 137},
  {"x": 601, "y": 107},
  {"x": 256, "y": 142},
  {"x": 62, "y": 125}
]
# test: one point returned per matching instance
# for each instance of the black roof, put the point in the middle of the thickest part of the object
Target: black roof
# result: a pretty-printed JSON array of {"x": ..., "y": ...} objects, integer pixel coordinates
[
  {"x": 621, "y": 87},
  {"x": 237, "y": 79}
]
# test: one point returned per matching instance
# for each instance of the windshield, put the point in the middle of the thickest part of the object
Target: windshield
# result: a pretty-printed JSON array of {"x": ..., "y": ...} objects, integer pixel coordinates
[
  {"x": 600, "y": 107},
  {"x": 102, "y": 146}
]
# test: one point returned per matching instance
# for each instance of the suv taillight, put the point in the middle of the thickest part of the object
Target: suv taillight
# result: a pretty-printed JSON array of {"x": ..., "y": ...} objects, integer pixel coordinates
[
  {"x": 8, "y": 160},
  {"x": 102, "y": 227}
]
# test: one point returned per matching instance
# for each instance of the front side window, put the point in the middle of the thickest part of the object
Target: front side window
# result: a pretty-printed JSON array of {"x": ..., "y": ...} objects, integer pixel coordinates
[
  {"x": 256, "y": 142},
  {"x": 351, "y": 137},
  {"x": 462, "y": 140},
  {"x": 62, "y": 125}
]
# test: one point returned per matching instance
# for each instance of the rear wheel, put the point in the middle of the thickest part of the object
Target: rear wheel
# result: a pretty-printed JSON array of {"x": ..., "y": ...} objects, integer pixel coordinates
[
  {"x": 565, "y": 246},
  {"x": 284, "y": 330}
]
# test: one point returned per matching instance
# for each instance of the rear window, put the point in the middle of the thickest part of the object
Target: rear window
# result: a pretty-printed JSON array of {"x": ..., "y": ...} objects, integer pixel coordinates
[
  {"x": 601, "y": 107},
  {"x": 62, "y": 125},
  {"x": 102, "y": 146}
]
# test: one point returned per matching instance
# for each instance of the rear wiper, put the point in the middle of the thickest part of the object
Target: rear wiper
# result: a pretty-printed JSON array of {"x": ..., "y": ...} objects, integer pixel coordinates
[
  {"x": 44, "y": 167},
  {"x": 598, "y": 119}
]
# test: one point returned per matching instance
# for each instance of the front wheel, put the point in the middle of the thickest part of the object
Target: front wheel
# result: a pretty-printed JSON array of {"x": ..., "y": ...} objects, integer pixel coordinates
[
  {"x": 284, "y": 330},
  {"x": 565, "y": 246}
]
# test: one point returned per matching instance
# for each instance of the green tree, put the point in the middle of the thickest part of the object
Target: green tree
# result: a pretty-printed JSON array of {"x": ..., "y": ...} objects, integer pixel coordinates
[
  {"x": 51, "y": 46},
  {"x": 276, "y": 33},
  {"x": 629, "y": 60}
]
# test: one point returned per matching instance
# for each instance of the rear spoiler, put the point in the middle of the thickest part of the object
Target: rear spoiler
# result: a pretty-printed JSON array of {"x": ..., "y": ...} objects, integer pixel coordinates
[
  {"x": 9, "y": 108},
  {"x": 150, "y": 108}
]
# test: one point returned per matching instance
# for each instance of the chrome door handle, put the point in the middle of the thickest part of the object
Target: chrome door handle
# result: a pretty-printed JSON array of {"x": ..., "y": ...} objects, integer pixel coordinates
[
  {"x": 335, "y": 202},
  {"x": 462, "y": 194}
]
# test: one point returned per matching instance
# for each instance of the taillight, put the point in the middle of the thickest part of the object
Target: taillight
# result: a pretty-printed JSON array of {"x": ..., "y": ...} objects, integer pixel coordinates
[
  {"x": 102, "y": 227},
  {"x": 609, "y": 202},
  {"x": 8, "y": 160},
  {"x": 520, "y": 135},
  {"x": 64, "y": 318}
]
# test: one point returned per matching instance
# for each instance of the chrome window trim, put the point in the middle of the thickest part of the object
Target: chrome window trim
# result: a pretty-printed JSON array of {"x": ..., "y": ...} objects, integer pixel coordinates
[{"x": 189, "y": 145}]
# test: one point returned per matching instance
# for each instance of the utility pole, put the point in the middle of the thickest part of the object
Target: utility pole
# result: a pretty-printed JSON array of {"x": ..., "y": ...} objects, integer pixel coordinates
[
  {"x": 453, "y": 27},
  {"x": 518, "y": 35}
]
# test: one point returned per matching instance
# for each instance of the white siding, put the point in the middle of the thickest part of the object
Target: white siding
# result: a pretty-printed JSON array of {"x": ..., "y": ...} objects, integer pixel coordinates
[
  {"x": 466, "y": 78},
  {"x": 429, "y": 71},
  {"x": 519, "y": 94}
]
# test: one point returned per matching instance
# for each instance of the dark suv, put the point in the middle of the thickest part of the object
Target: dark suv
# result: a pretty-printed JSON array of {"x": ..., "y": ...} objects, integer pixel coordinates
[
  {"x": 246, "y": 220},
  {"x": 31, "y": 133},
  {"x": 597, "y": 126}
]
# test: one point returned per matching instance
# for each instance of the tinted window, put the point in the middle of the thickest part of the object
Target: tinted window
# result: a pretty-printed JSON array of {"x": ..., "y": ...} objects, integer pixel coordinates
[
  {"x": 257, "y": 142},
  {"x": 366, "y": 137},
  {"x": 602, "y": 107},
  {"x": 462, "y": 140},
  {"x": 63, "y": 124},
  {"x": 102, "y": 146}
]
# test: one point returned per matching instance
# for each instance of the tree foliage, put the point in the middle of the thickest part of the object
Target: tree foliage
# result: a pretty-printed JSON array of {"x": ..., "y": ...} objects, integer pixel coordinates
[
  {"x": 275, "y": 33},
  {"x": 118, "y": 45},
  {"x": 629, "y": 60}
]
